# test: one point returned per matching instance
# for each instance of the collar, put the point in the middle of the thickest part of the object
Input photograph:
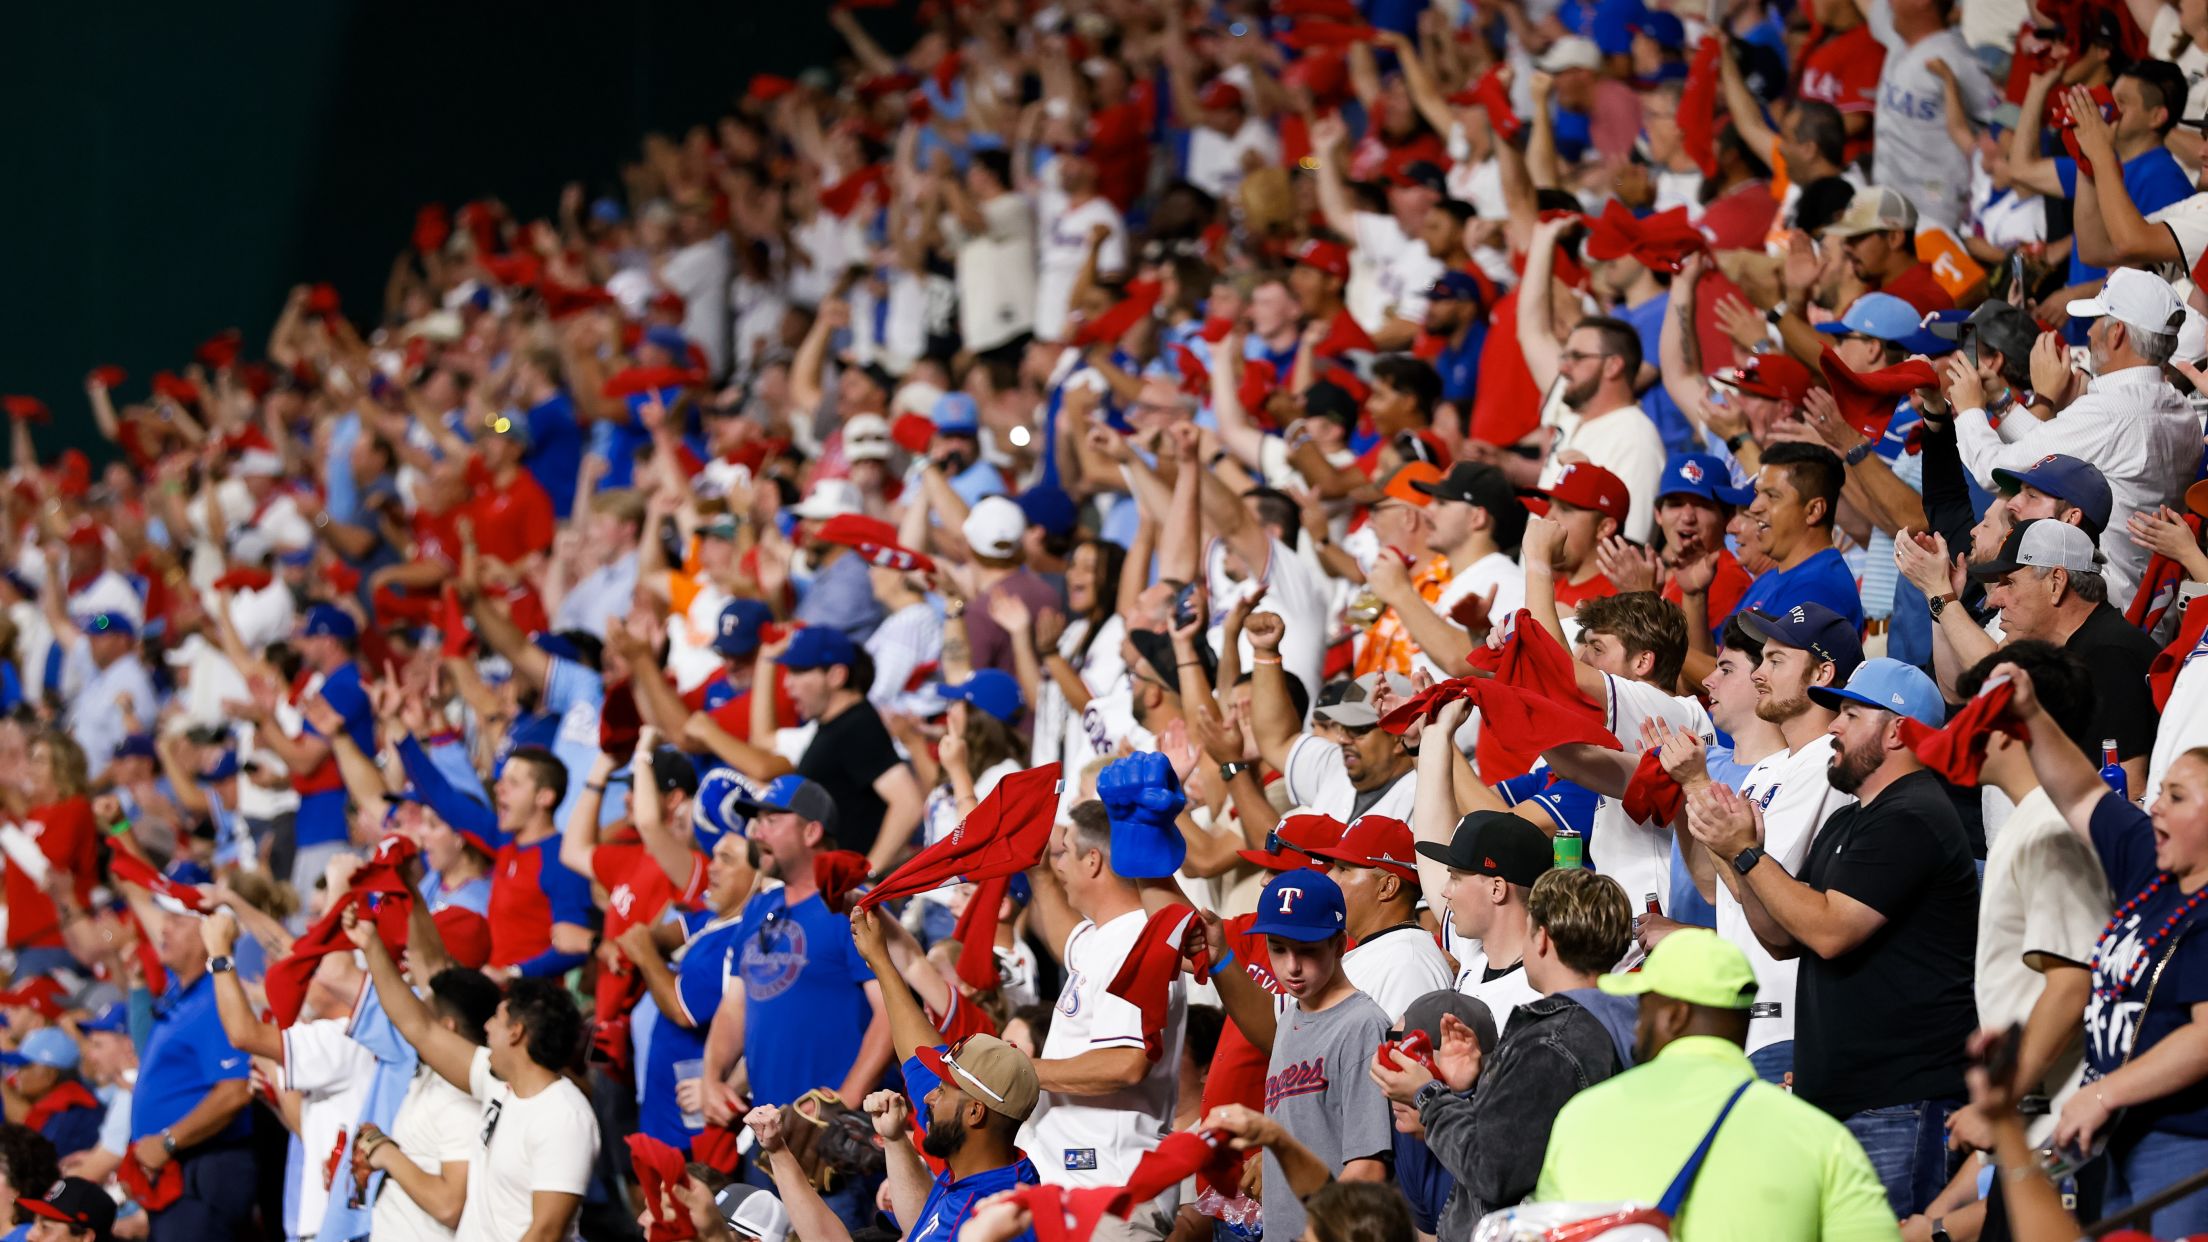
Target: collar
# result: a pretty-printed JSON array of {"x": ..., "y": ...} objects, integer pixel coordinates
[
  {"x": 1706, "y": 1048},
  {"x": 2143, "y": 375}
]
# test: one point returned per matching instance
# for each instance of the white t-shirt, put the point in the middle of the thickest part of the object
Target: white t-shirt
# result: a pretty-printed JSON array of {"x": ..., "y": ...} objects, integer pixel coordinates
[
  {"x": 437, "y": 1124},
  {"x": 2163, "y": 36},
  {"x": 2184, "y": 717},
  {"x": 1638, "y": 855},
  {"x": 996, "y": 274},
  {"x": 1317, "y": 778},
  {"x": 1913, "y": 153},
  {"x": 1502, "y": 994},
  {"x": 1397, "y": 966},
  {"x": 332, "y": 1073},
  {"x": 1494, "y": 572},
  {"x": 1096, "y": 1140},
  {"x": 1624, "y": 442},
  {"x": 1796, "y": 798},
  {"x": 1402, "y": 271},
  {"x": 1215, "y": 159},
  {"x": 1063, "y": 239},
  {"x": 2043, "y": 893},
  {"x": 546, "y": 1142},
  {"x": 1296, "y": 592}
]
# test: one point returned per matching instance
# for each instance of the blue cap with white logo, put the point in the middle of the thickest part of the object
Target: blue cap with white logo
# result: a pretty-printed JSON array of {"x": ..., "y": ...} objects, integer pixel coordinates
[
  {"x": 2068, "y": 479},
  {"x": 717, "y": 809},
  {"x": 991, "y": 690},
  {"x": 48, "y": 1045},
  {"x": 1303, "y": 906},
  {"x": 1702, "y": 475},
  {"x": 737, "y": 635},
  {"x": 1891, "y": 686},
  {"x": 1880, "y": 315},
  {"x": 1813, "y": 628}
]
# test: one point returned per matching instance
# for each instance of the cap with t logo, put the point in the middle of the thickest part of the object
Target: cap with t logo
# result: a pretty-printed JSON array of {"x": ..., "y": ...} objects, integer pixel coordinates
[{"x": 1304, "y": 906}]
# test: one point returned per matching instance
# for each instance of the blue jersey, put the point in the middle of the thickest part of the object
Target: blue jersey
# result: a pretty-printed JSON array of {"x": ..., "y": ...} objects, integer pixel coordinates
[
  {"x": 322, "y": 818},
  {"x": 701, "y": 971},
  {"x": 184, "y": 1057},
  {"x": 950, "y": 1203},
  {"x": 1571, "y": 806},
  {"x": 806, "y": 1007},
  {"x": 1822, "y": 579}
]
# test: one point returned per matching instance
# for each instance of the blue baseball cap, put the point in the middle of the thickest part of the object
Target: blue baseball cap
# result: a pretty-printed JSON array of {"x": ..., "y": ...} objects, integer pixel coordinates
[
  {"x": 136, "y": 746},
  {"x": 1455, "y": 286},
  {"x": 223, "y": 768},
  {"x": 1890, "y": 686},
  {"x": 1051, "y": 508},
  {"x": 992, "y": 690},
  {"x": 717, "y": 810},
  {"x": 556, "y": 646},
  {"x": 329, "y": 620},
  {"x": 2067, "y": 479},
  {"x": 818, "y": 646},
  {"x": 737, "y": 634},
  {"x": 793, "y": 793},
  {"x": 1611, "y": 25},
  {"x": 1665, "y": 29},
  {"x": 956, "y": 414},
  {"x": 1813, "y": 628},
  {"x": 1704, "y": 476},
  {"x": 1304, "y": 906},
  {"x": 110, "y": 623},
  {"x": 1880, "y": 315},
  {"x": 670, "y": 339},
  {"x": 48, "y": 1045},
  {"x": 1930, "y": 340},
  {"x": 113, "y": 1020}
]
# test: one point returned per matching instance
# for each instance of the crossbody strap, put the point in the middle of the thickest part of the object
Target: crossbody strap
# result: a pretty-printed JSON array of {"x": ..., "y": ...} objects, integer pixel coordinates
[{"x": 1675, "y": 1196}]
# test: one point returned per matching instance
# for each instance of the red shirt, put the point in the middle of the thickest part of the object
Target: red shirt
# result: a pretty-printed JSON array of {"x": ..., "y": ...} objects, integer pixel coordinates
[
  {"x": 1726, "y": 588},
  {"x": 511, "y": 522},
  {"x": 1843, "y": 70},
  {"x": 1569, "y": 595},
  {"x": 67, "y": 837},
  {"x": 1507, "y": 406},
  {"x": 735, "y": 715},
  {"x": 1920, "y": 288},
  {"x": 437, "y": 535}
]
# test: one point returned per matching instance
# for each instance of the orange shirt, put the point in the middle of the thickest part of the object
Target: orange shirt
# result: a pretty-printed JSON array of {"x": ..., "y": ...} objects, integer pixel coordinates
[{"x": 1388, "y": 646}]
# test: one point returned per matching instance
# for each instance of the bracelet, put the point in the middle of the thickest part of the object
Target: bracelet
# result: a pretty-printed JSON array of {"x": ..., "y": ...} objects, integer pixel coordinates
[
  {"x": 1190, "y": 663},
  {"x": 1260, "y": 657},
  {"x": 1221, "y": 965},
  {"x": 596, "y": 789}
]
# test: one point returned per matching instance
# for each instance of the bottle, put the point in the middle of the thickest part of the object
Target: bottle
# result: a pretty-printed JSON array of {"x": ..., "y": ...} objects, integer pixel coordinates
[
  {"x": 1571, "y": 851},
  {"x": 2112, "y": 769},
  {"x": 1635, "y": 955}
]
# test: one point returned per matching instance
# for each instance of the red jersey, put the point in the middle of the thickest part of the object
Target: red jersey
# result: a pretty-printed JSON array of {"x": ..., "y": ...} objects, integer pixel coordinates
[
  {"x": 511, "y": 522},
  {"x": 1571, "y": 595},
  {"x": 530, "y": 891},
  {"x": 64, "y": 833},
  {"x": 1843, "y": 70},
  {"x": 1507, "y": 406},
  {"x": 1726, "y": 588},
  {"x": 1920, "y": 288},
  {"x": 735, "y": 714}
]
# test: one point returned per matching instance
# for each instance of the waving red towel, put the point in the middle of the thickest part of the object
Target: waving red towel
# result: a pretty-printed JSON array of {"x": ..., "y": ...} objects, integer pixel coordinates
[
  {"x": 130, "y": 867},
  {"x": 659, "y": 1168},
  {"x": 836, "y": 873},
  {"x": 1145, "y": 979},
  {"x": 380, "y": 875},
  {"x": 1698, "y": 107},
  {"x": 1957, "y": 751},
  {"x": 1177, "y": 1156},
  {"x": 1063, "y": 1214},
  {"x": 635, "y": 381},
  {"x": 1489, "y": 93},
  {"x": 2162, "y": 674},
  {"x": 976, "y": 934},
  {"x": 1142, "y": 298},
  {"x": 1007, "y": 833},
  {"x": 1867, "y": 398},
  {"x": 1530, "y": 702},
  {"x": 1651, "y": 796}
]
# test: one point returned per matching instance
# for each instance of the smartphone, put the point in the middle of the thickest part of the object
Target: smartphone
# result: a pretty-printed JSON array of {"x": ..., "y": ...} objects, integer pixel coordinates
[{"x": 1184, "y": 605}]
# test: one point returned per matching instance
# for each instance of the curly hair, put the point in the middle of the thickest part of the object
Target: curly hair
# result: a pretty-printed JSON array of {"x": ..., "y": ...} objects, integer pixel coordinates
[
  {"x": 28, "y": 1159},
  {"x": 544, "y": 1009}
]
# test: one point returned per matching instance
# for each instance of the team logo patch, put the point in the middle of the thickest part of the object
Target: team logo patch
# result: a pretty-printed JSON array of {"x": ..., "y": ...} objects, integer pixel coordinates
[
  {"x": 1080, "y": 1159},
  {"x": 773, "y": 959},
  {"x": 1691, "y": 471}
]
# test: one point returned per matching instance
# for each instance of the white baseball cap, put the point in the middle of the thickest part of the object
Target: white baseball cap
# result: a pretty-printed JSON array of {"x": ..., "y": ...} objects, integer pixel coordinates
[
  {"x": 994, "y": 527},
  {"x": 753, "y": 1212},
  {"x": 258, "y": 464},
  {"x": 866, "y": 438},
  {"x": 829, "y": 498},
  {"x": 2137, "y": 299},
  {"x": 2192, "y": 339},
  {"x": 1570, "y": 52}
]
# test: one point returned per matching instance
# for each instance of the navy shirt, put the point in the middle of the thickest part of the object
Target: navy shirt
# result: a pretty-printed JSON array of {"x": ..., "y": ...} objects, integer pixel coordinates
[
  {"x": 2129, "y": 1023},
  {"x": 184, "y": 1057},
  {"x": 74, "y": 1129},
  {"x": 1822, "y": 579}
]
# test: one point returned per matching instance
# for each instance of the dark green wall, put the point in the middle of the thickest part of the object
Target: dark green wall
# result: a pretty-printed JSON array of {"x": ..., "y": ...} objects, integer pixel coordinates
[{"x": 172, "y": 170}]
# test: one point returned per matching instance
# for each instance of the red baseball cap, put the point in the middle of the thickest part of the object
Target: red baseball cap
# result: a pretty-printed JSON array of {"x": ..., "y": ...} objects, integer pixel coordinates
[
  {"x": 1583, "y": 485},
  {"x": 1294, "y": 842},
  {"x": 1376, "y": 841},
  {"x": 1777, "y": 376},
  {"x": 1220, "y": 94},
  {"x": 43, "y": 993},
  {"x": 1330, "y": 257}
]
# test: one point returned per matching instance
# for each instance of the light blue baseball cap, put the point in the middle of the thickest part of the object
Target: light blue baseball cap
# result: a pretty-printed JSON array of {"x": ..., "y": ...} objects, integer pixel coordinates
[
  {"x": 1891, "y": 686},
  {"x": 1880, "y": 315}
]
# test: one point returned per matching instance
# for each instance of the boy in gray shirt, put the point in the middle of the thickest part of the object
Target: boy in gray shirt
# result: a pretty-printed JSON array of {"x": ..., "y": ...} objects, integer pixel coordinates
[{"x": 1316, "y": 1086}]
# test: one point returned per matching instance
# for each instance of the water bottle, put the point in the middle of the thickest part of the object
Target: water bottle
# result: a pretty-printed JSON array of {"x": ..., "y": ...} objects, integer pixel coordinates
[
  {"x": 2112, "y": 769},
  {"x": 1571, "y": 850}
]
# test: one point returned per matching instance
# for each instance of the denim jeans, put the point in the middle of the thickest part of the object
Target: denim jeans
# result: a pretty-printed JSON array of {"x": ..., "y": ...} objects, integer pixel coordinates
[
  {"x": 2144, "y": 1168},
  {"x": 1774, "y": 1062},
  {"x": 1907, "y": 1144}
]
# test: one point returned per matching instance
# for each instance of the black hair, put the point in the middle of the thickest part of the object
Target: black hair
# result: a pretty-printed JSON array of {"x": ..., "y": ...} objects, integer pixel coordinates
[
  {"x": 1111, "y": 561},
  {"x": 29, "y": 1160},
  {"x": 590, "y": 650},
  {"x": 1729, "y": 139},
  {"x": 1277, "y": 508},
  {"x": 1359, "y": 1212},
  {"x": 997, "y": 163},
  {"x": 1299, "y": 698},
  {"x": 1037, "y": 1016},
  {"x": 2062, "y": 682},
  {"x": 1460, "y": 211},
  {"x": 1815, "y": 471},
  {"x": 1738, "y": 637},
  {"x": 1619, "y": 340},
  {"x": 1205, "y": 1022},
  {"x": 1818, "y": 124},
  {"x": 1414, "y": 376},
  {"x": 545, "y": 1009},
  {"x": 2166, "y": 84},
  {"x": 546, "y": 767},
  {"x": 466, "y": 996}
]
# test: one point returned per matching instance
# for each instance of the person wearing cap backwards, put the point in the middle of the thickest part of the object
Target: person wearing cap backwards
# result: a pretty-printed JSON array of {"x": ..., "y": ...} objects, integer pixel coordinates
[
  {"x": 1392, "y": 958},
  {"x": 193, "y": 1088},
  {"x": 327, "y": 640},
  {"x": 46, "y": 1094},
  {"x": 1314, "y": 1087},
  {"x": 2129, "y": 421},
  {"x": 1883, "y": 921},
  {"x": 1807, "y": 646},
  {"x": 2047, "y": 584},
  {"x": 1779, "y": 1167},
  {"x": 1489, "y": 1126},
  {"x": 73, "y": 1210},
  {"x": 1878, "y": 233},
  {"x": 103, "y": 665},
  {"x": 1473, "y": 528}
]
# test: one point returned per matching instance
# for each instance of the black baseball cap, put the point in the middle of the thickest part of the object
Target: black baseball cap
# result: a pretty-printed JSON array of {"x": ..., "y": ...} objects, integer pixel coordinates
[
  {"x": 673, "y": 770},
  {"x": 1495, "y": 843},
  {"x": 76, "y": 1203},
  {"x": 1156, "y": 649},
  {"x": 2001, "y": 327},
  {"x": 1477, "y": 483},
  {"x": 1330, "y": 401},
  {"x": 1813, "y": 628}
]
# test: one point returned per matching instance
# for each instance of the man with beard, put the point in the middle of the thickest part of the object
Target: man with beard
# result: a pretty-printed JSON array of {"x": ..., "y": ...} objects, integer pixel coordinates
[
  {"x": 1807, "y": 646},
  {"x": 1346, "y": 765},
  {"x": 1884, "y": 921}
]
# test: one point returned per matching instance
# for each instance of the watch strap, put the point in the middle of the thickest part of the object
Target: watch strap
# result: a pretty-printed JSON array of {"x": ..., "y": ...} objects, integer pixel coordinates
[
  {"x": 1746, "y": 860},
  {"x": 1861, "y": 452},
  {"x": 223, "y": 964}
]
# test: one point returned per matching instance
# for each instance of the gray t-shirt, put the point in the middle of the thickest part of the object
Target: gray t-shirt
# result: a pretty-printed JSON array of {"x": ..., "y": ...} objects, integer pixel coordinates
[
  {"x": 1316, "y": 1086},
  {"x": 1914, "y": 154}
]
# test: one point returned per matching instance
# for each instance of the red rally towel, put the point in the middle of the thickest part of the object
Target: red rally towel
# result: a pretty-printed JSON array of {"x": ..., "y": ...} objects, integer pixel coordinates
[
  {"x": 1532, "y": 702},
  {"x": 1651, "y": 796},
  {"x": 1145, "y": 978},
  {"x": 1063, "y": 1214},
  {"x": 1177, "y": 1156},
  {"x": 130, "y": 867},
  {"x": 1006, "y": 834},
  {"x": 380, "y": 875},
  {"x": 1698, "y": 107},
  {"x": 837, "y": 873},
  {"x": 152, "y": 1193},
  {"x": 1957, "y": 751},
  {"x": 976, "y": 934},
  {"x": 715, "y": 1148},
  {"x": 2162, "y": 674},
  {"x": 659, "y": 1169},
  {"x": 1867, "y": 399},
  {"x": 2158, "y": 588}
]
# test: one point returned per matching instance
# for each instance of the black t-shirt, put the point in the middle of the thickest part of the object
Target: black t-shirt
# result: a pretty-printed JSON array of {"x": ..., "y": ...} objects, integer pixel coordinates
[
  {"x": 848, "y": 754},
  {"x": 2119, "y": 654},
  {"x": 1885, "y": 1023}
]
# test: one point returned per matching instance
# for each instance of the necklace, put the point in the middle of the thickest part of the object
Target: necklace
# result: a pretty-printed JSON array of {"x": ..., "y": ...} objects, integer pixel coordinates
[{"x": 2112, "y": 990}]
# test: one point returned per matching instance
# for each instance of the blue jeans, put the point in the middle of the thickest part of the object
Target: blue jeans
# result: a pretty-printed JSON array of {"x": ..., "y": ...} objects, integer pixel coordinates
[
  {"x": 1774, "y": 1062},
  {"x": 1907, "y": 1144},
  {"x": 2146, "y": 1167}
]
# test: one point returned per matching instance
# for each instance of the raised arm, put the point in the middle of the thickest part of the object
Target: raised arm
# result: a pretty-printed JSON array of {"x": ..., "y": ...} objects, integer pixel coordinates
[
  {"x": 1536, "y": 336},
  {"x": 1328, "y": 136},
  {"x": 445, "y": 1051},
  {"x": 243, "y": 1027},
  {"x": 1276, "y": 723}
]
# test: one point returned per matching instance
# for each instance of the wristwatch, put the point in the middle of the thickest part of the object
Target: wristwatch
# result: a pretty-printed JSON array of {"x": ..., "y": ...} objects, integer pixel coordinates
[
  {"x": 1939, "y": 1230},
  {"x": 1431, "y": 1091},
  {"x": 168, "y": 1141},
  {"x": 1939, "y": 602},
  {"x": 1860, "y": 452},
  {"x": 1746, "y": 860},
  {"x": 1228, "y": 771},
  {"x": 1733, "y": 443},
  {"x": 221, "y": 965}
]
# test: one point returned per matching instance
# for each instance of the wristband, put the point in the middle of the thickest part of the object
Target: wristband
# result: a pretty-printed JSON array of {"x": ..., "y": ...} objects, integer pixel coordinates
[
  {"x": 1221, "y": 965},
  {"x": 1260, "y": 657},
  {"x": 551, "y": 962},
  {"x": 596, "y": 789}
]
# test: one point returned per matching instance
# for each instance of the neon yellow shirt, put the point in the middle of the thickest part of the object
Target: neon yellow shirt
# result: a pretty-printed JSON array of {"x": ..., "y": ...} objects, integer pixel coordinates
[{"x": 1780, "y": 1168}]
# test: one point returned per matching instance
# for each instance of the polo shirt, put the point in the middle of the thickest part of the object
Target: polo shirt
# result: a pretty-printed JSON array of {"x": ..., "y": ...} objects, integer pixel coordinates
[
  {"x": 184, "y": 1057},
  {"x": 1778, "y": 1168}
]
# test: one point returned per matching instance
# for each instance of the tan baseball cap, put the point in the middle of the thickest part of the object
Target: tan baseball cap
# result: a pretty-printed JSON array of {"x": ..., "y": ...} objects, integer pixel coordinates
[{"x": 990, "y": 1070}]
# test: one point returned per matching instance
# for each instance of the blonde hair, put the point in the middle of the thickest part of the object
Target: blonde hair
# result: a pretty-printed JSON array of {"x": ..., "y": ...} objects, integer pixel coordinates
[{"x": 1586, "y": 915}]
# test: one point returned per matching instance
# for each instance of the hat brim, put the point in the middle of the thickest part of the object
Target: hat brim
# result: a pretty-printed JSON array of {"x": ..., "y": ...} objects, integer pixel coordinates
[
  {"x": 2196, "y": 498},
  {"x": 2086, "y": 308},
  {"x": 1632, "y": 983},
  {"x": 1285, "y": 860},
  {"x": 1994, "y": 571},
  {"x": 1289, "y": 929},
  {"x": 1766, "y": 628},
  {"x": 1833, "y": 698},
  {"x": 41, "y": 1208},
  {"x": 1350, "y": 715},
  {"x": 1335, "y": 854}
]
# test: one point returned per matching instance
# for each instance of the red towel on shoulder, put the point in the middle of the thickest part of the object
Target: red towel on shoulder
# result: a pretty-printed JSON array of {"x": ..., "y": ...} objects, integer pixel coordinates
[
  {"x": 1145, "y": 979},
  {"x": 1958, "y": 750}
]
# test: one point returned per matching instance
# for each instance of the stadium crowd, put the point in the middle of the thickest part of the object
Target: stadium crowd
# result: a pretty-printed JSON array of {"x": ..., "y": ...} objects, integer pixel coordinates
[{"x": 1347, "y": 620}]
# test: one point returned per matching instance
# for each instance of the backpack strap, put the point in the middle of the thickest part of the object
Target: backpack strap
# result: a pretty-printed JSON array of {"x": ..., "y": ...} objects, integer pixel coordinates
[{"x": 1675, "y": 1195}]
